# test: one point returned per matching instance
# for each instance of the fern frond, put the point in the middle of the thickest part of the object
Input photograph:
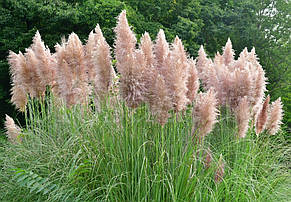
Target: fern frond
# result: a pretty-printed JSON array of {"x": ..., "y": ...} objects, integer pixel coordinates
[{"x": 33, "y": 182}]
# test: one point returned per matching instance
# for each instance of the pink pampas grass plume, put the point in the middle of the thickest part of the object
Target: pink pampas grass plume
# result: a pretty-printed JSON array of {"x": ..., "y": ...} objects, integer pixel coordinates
[
  {"x": 26, "y": 71},
  {"x": 46, "y": 62},
  {"x": 233, "y": 86},
  {"x": 131, "y": 64},
  {"x": 203, "y": 64},
  {"x": 219, "y": 173},
  {"x": 173, "y": 65},
  {"x": 157, "y": 94},
  {"x": 72, "y": 77},
  {"x": 133, "y": 84},
  {"x": 19, "y": 97},
  {"x": 146, "y": 45},
  {"x": 233, "y": 79},
  {"x": 12, "y": 130},
  {"x": 31, "y": 72},
  {"x": 242, "y": 114},
  {"x": 218, "y": 59},
  {"x": 75, "y": 57},
  {"x": 263, "y": 116},
  {"x": 101, "y": 61},
  {"x": 202, "y": 58},
  {"x": 228, "y": 53},
  {"x": 37, "y": 65},
  {"x": 161, "y": 49},
  {"x": 175, "y": 72},
  {"x": 63, "y": 72},
  {"x": 91, "y": 45},
  {"x": 124, "y": 44},
  {"x": 180, "y": 68},
  {"x": 275, "y": 117},
  {"x": 33, "y": 81},
  {"x": 258, "y": 77},
  {"x": 160, "y": 102},
  {"x": 193, "y": 81},
  {"x": 18, "y": 91},
  {"x": 204, "y": 114}
]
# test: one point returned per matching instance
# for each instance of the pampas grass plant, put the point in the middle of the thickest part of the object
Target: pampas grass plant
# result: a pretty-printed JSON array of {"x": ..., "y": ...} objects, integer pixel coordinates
[{"x": 135, "y": 147}]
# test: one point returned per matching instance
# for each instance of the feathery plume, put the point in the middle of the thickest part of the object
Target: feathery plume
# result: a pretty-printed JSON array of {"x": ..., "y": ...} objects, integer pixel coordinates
[
  {"x": 132, "y": 86},
  {"x": 75, "y": 57},
  {"x": 101, "y": 60},
  {"x": 179, "y": 68},
  {"x": 131, "y": 64},
  {"x": 242, "y": 60},
  {"x": 218, "y": 59},
  {"x": 63, "y": 73},
  {"x": 31, "y": 78},
  {"x": 219, "y": 173},
  {"x": 259, "y": 86},
  {"x": 262, "y": 116},
  {"x": 233, "y": 79},
  {"x": 19, "y": 97},
  {"x": 72, "y": 77},
  {"x": 12, "y": 130},
  {"x": 244, "y": 53},
  {"x": 161, "y": 49},
  {"x": 275, "y": 117},
  {"x": 204, "y": 114},
  {"x": 45, "y": 62},
  {"x": 259, "y": 78},
  {"x": 146, "y": 46},
  {"x": 175, "y": 72},
  {"x": 202, "y": 58},
  {"x": 31, "y": 72},
  {"x": 242, "y": 114},
  {"x": 203, "y": 64},
  {"x": 160, "y": 102},
  {"x": 240, "y": 87},
  {"x": 157, "y": 94},
  {"x": 193, "y": 82},
  {"x": 90, "y": 46},
  {"x": 228, "y": 53},
  {"x": 18, "y": 91},
  {"x": 124, "y": 44}
]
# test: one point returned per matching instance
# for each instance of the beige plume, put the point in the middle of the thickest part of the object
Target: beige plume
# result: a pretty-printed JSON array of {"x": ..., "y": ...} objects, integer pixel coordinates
[
  {"x": 275, "y": 117},
  {"x": 12, "y": 130}
]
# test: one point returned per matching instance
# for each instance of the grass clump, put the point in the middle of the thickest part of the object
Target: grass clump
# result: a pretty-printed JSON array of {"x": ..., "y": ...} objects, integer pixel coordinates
[
  {"x": 120, "y": 154},
  {"x": 94, "y": 138}
]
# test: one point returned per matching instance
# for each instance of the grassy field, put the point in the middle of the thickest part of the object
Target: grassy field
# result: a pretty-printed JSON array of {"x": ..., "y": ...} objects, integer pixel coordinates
[{"x": 120, "y": 154}]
